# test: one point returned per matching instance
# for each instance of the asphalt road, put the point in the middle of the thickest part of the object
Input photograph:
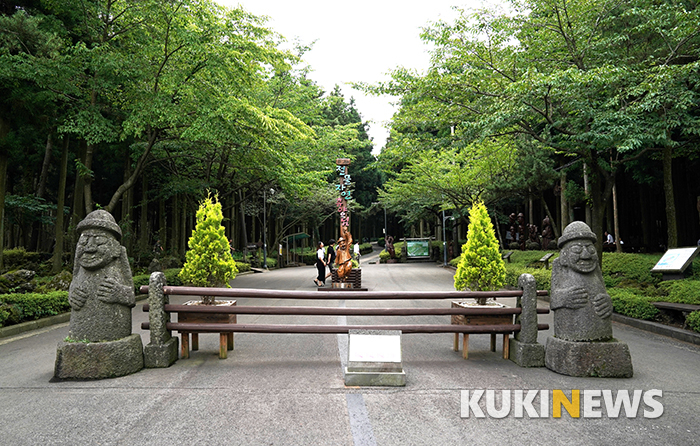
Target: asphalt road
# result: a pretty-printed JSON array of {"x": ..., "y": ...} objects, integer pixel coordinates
[{"x": 289, "y": 389}]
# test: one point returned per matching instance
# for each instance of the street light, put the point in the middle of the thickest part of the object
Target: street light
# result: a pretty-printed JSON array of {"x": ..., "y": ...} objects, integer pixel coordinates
[
  {"x": 272, "y": 192},
  {"x": 444, "y": 237}
]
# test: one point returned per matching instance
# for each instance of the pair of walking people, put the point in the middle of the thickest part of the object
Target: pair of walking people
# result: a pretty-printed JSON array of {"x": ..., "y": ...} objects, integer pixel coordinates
[{"x": 324, "y": 258}]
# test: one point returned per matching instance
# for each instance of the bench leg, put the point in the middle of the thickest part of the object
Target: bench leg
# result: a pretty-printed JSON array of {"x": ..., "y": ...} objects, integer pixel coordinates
[
  {"x": 184, "y": 345},
  {"x": 230, "y": 341},
  {"x": 506, "y": 345},
  {"x": 195, "y": 341},
  {"x": 223, "y": 345},
  {"x": 465, "y": 346},
  {"x": 493, "y": 342},
  {"x": 455, "y": 346}
]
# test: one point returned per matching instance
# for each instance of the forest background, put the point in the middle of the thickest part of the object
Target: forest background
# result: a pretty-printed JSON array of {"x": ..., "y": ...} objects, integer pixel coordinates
[{"x": 583, "y": 110}]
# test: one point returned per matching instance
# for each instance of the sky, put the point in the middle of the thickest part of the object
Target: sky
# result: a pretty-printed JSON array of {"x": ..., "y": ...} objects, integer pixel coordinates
[{"x": 357, "y": 41}]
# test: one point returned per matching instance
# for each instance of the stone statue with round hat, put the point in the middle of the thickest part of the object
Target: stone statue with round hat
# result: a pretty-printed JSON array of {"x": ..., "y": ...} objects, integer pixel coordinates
[
  {"x": 583, "y": 343},
  {"x": 101, "y": 295}
]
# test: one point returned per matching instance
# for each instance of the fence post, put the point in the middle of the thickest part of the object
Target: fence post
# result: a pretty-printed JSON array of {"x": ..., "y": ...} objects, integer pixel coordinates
[
  {"x": 162, "y": 350},
  {"x": 524, "y": 348}
]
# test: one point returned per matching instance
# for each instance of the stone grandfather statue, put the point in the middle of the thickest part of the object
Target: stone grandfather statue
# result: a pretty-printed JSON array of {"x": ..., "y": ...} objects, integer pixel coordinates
[
  {"x": 102, "y": 292},
  {"x": 100, "y": 343},
  {"x": 583, "y": 343},
  {"x": 578, "y": 293}
]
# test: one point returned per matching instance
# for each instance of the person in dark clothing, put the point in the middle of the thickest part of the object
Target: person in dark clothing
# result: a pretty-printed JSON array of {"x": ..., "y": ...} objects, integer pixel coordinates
[
  {"x": 320, "y": 266},
  {"x": 330, "y": 257}
]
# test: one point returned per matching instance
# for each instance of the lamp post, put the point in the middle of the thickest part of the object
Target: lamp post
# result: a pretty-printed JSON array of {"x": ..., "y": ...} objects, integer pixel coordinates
[
  {"x": 272, "y": 192},
  {"x": 444, "y": 237},
  {"x": 444, "y": 240}
]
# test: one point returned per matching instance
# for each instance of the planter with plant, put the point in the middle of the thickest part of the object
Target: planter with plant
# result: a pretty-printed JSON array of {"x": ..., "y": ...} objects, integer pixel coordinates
[
  {"x": 481, "y": 268},
  {"x": 209, "y": 264}
]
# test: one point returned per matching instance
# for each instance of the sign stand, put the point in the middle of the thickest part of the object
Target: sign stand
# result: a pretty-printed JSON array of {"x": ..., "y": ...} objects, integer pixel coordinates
[
  {"x": 374, "y": 359},
  {"x": 674, "y": 263}
]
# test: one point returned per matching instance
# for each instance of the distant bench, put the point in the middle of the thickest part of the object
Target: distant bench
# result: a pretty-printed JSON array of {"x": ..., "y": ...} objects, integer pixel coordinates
[
  {"x": 671, "y": 307},
  {"x": 545, "y": 259}
]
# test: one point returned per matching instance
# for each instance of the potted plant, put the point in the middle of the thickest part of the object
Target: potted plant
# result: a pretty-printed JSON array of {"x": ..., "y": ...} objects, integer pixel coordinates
[
  {"x": 481, "y": 268},
  {"x": 209, "y": 264}
]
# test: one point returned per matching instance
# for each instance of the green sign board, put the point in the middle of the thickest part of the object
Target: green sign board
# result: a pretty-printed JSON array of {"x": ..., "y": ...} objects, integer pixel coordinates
[{"x": 418, "y": 248}]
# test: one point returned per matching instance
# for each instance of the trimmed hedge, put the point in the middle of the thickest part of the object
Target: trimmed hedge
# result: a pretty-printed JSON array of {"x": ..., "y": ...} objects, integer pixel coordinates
[
  {"x": 693, "y": 320},
  {"x": 171, "y": 278},
  {"x": 680, "y": 291},
  {"x": 624, "y": 269},
  {"x": 17, "y": 308},
  {"x": 627, "y": 303},
  {"x": 543, "y": 277}
]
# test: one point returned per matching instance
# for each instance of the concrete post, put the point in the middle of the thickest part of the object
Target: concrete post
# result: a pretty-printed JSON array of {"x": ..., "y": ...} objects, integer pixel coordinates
[
  {"x": 524, "y": 348},
  {"x": 163, "y": 348}
]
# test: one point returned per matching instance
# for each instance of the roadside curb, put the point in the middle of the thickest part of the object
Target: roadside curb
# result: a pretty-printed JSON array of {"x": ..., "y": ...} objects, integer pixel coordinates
[
  {"x": 655, "y": 327},
  {"x": 14, "y": 330}
]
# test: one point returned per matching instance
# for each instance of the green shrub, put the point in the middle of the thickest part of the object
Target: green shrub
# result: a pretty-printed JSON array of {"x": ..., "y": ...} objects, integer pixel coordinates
[
  {"x": 621, "y": 268},
  {"x": 243, "y": 267},
  {"x": 209, "y": 261},
  {"x": 693, "y": 320},
  {"x": 366, "y": 248},
  {"x": 16, "y": 308},
  {"x": 171, "y": 279},
  {"x": 627, "y": 303},
  {"x": 384, "y": 256},
  {"x": 19, "y": 258},
  {"x": 543, "y": 277},
  {"x": 481, "y": 267},
  {"x": 680, "y": 291}
]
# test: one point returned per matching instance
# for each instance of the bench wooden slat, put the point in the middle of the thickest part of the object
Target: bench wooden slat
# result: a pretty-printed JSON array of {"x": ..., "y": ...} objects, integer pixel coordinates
[
  {"x": 339, "y": 329},
  {"x": 676, "y": 306}
]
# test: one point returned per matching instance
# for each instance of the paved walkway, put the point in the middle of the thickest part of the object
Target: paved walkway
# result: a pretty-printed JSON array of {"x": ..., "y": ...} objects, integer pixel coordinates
[{"x": 289, "y": 390}]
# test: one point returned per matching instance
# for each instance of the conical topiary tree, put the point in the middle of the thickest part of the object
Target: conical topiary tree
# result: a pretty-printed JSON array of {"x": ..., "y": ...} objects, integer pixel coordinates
[
  {"x": 481, "y": 267},
  {"x": 209, "y": 262}
]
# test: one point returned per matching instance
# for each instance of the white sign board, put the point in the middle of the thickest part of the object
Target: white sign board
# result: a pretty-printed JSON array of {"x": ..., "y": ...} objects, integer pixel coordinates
[
  {"x": 374, "y": 348},
  {"x": 675, "y": 260}
]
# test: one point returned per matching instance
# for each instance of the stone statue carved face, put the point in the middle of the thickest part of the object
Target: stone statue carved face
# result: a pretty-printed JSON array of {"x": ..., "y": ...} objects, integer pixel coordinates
[
  {"x": 581, "y": 256},
  {"x": 96, "y": 249}
]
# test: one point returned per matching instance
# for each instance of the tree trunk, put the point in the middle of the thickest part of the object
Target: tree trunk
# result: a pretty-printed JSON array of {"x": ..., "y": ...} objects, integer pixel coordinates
[
  {"x": 564, "y": 203},
  {"x": 672, "y": 226},
  {"x": 78, "y": 204},
  {"x": 3, "y": 191},
  {"x": 616, "y": 220},
  {"x": 175, "y": 234},
  {"x": 87, "y": 180},
  {"x": 143, "y": 220},
  {"x": 57, "y": 259},
  {"x": 587, "y": 192},
  {"x": 162, "y": 223},
  {"x": 127, "y": 208}
]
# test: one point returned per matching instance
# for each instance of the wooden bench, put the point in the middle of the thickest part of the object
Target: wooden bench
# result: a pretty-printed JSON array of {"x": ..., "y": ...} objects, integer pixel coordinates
[
  {"x": 506, "y": 255},
  {"x": 683, "y": 309},
  {"x": 545, "y": 259}
]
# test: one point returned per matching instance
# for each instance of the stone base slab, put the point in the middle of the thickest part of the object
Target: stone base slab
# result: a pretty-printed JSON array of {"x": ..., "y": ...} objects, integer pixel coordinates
[
  {"x": 382, "y": 379},
  {"x": 609, "y": 359},
  {"x": 526, "y": 354},
  {"x": 158, "y": 356},
  {"x": 99, "y": 360}
]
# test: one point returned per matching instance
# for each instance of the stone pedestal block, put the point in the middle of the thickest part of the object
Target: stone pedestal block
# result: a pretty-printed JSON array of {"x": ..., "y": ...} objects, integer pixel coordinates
[
  {"x": 610, "y": 359},
  {"x": 526, "y": 354},
  {"x": 161, "y": 355},
  {"x": 98, "y": 360}
]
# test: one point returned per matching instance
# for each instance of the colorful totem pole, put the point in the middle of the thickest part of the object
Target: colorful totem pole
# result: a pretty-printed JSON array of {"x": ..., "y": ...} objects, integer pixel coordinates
[{"x": 344, "y": 252}]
